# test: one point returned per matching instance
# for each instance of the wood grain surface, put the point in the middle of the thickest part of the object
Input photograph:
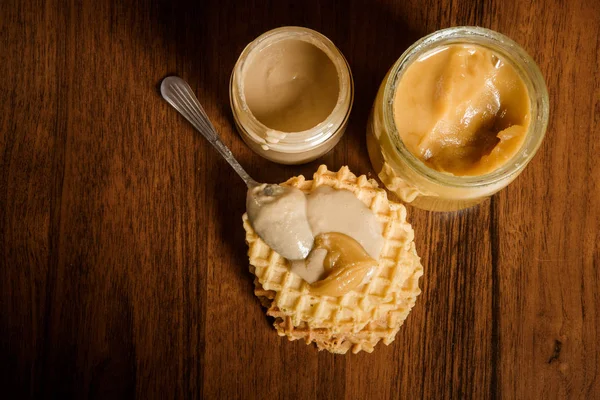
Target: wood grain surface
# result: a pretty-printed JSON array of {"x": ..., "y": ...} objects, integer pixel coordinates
[{"x": 122, "y": 259}]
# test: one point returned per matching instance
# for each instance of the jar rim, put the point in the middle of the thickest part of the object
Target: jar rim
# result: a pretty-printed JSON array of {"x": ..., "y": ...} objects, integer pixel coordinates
[
  {"x": 301, "y": 140},
  {"x": 523, "y": 64}
]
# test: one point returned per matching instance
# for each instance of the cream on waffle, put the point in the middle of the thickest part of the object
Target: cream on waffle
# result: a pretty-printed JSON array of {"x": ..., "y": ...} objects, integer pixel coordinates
[{"x": 361, "y": 318}]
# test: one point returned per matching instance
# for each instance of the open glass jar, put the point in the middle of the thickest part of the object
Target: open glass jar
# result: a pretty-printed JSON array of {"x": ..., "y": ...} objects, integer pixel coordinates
[
  {"x": 290, "y": 146},
  {"x": 412, "y": 180}
]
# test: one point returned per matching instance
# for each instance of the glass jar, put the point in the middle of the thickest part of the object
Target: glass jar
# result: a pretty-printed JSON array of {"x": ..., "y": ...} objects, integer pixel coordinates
[
  {"x": 416, "y": 183},
  {"x": 291, "y": 147}
]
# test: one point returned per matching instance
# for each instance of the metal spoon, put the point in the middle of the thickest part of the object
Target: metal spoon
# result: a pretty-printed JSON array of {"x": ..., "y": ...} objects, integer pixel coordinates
[{"x": 179, "y": 94}]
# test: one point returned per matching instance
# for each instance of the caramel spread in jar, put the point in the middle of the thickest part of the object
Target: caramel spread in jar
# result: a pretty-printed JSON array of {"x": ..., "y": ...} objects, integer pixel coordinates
[
  {"x": 347, "y": 264},
  {"x": 461, "y": 109}
]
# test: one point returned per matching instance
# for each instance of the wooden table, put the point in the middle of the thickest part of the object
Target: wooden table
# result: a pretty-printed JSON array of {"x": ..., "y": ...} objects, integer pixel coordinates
[{"x": 123, "y": 268}]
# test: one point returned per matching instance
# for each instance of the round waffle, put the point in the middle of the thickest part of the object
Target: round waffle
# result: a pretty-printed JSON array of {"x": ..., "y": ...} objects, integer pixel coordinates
[{"x": 362, "y": 317}]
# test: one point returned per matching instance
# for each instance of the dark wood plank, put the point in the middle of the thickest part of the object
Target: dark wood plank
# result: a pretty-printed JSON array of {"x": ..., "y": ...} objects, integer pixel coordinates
[
  {"x": 122, "y": 260},
  {"x": 546, "y": 224}
]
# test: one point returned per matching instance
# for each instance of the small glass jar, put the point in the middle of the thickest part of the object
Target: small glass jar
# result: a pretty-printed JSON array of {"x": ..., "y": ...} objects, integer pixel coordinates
[
  {"x": 407, "y": 176},
  {"x": 291, "y": 147}
]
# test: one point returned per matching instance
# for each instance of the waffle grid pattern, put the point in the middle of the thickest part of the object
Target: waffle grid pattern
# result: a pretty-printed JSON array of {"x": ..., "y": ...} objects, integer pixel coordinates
[{"x": 360, "y": 318}]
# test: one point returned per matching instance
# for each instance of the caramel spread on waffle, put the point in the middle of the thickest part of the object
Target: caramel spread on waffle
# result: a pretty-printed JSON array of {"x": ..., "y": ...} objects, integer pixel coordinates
[
  {"x": 350, "y": 234},
  {"x": 330, "y": 211},
  {"x": 347, "y": 264}
]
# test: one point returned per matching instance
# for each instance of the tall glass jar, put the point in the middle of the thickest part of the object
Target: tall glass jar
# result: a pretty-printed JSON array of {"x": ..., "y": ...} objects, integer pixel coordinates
[
  {"x": 291, "y": 147},
  {"x": 407, "y": 176}
]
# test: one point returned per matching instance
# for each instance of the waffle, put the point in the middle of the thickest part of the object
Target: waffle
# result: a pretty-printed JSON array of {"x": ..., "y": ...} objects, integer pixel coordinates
[{"x": 361, "y": 318}]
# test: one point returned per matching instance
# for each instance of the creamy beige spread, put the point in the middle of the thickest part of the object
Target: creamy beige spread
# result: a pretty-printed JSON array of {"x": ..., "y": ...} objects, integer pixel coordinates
[
  {"x": 461, "y": 109},
  {"x": 291, "y": 86},
  {"x": 278, "y": 215},
  {"x": 335, "y": 210},
  {"x": 348, "y": 235}
]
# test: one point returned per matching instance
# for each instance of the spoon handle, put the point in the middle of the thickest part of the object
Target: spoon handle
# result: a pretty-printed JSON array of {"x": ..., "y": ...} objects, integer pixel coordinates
[{"x": 179, "y": 94}]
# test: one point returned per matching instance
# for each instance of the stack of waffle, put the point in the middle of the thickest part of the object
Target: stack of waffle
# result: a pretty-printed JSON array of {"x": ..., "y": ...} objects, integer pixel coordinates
[{"x": 361, "y": 318}]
